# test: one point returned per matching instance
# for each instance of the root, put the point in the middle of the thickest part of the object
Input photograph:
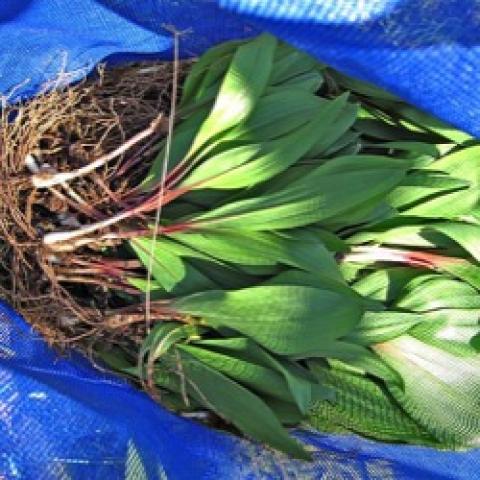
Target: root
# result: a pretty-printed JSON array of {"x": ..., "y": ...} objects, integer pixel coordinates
[{"x": 90, "y": 135}]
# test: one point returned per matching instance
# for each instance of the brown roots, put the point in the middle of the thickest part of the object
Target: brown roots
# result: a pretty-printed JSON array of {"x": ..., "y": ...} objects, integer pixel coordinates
[{"x": 60, "y": 131}]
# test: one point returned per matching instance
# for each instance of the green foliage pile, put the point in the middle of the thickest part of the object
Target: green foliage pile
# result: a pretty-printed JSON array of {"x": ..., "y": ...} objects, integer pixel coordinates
[{"x": 316, "y": 260}]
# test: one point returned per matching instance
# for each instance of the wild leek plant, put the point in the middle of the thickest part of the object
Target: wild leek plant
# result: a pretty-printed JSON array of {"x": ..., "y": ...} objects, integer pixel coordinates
[{"x": 305, "y": 239}]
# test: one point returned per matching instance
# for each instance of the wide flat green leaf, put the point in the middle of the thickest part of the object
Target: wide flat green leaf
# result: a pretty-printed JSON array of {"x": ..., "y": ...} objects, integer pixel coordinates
[
  {"x": 236, "y": 246},
  {"x": 286, "y": 412},
  {"x": 239, "y": 406},
  {"x": 463, "y": 270},
  {"x": 274, "y": 115},
  {"x": 427, "y": 122},
  {"x": 317, "y": 279},
  {"x": 203, "y": 268},
  {"x": 346, "y": 140},
  {"x": 413, "y": 148},
  {"x": 212, "y": 78},
  {"x": 420, "y": 185},
  {"x": 201, "y": 67},
  {"x": 450, "y": 330},
  {"x": 427, "y": 292},
  {"x": 291, "y": 65},
  {"x": 287, "y": 320},
  {"x": 256, "y": 377},
  {"x": 370, "y": 211},
  {"x": 355, "y": 357},
  {"x": 329, "y": 190},
  {"x": 305, "y": 249},
  {"x": 279, "y": 113},
  {"x": 303, "y": 388},
  {"x": 466, "y": 235},
  {"x": 415, "y": 235},
  {"x": 181, "y": 140},
  {"x": 462, "y": 164},
  {"x": 380, "y": 130},
  {"x": 309, "y": 81},
  {"x": 299, "y": 249},
  {"x": 335, "y": 131},
  {"x": 363, "y": 406},
  {"x": 441, "y": 391},
  {"x": 244, "y": 83},
  {"x": 361, "y": 87},
  {"x": 377, "y": 327},
  {"x": 167, "y": 268},
  {"x": 384, "y": 284},
  {"x": 247, "y": 165}
]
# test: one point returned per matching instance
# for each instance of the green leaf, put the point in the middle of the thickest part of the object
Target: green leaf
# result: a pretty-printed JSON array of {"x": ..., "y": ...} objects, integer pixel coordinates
[
  {"x": 211, "y": 78},
  {"x": 115, "y": 358},
  {"x": 167, "y": 268},
  {"x": 256, "y": 377},
  {"x": 360, "y": 86},
  {"x": 239, "y": 406},
  {"x": 427, "y": 292},
  {"x": 440, "y": 392},
  {"x": 202, "y": 66},
  {"x": 453, "y": 331},
  {"x": 420, "y": 185},
  {"x": 420, "y": 235},
  {"x": 201, "y": 268},
  {"x": 414, "y": 148},
  {"x": 299, "y": 382},
  {"x": 363, "y": 406},
  {"x": 274, "y": 115},
  {"x": 229, "y": 277},
  {"x": 242, "y": 86},
  {"x": 155, "y": 337},
  {"x": 462, "y": 164},
  {"x": 298, "y": 249},
  {"x": 291, "y": 65},
  {"x": 348, "y": 139},
  {"x": 181, "y": 140},
  {"x": 466, "y": 235},
  {"x": 375, "y": 327},
  {"x": 331, "y": 240},
  {"x": 329, "y": 190},
  {"x": 378, "y": 129},
  {"x": 371, "y": 211},
  {"x": 385, "y": 284},
  {"x": 357, "y": 358},
  {"x": 337, "y": 128},
  {"x": 286, "y": 412},
  {"x": 235, "y": 246},
  {"x": 279, "y": 113},
  {"x": 310, "y": 81},
  {"x": 247, "y": 165},
  {"x": 462, "y": 269},
  {"x": 316, "y": 279},
  {"x": 305, "y": 250},
  {"x": 426, "y": 121},
  {"x": 161, "y": 344},
  {"x": 287, "y": 320}
]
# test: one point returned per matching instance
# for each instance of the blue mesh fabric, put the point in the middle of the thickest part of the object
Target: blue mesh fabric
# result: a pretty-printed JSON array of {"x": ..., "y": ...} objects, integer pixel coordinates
[{"x": 60, "y": 417}]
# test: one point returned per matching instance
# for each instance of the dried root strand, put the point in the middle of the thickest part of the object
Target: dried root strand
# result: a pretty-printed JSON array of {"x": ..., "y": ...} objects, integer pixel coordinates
[{"x": 84, "y": 136}]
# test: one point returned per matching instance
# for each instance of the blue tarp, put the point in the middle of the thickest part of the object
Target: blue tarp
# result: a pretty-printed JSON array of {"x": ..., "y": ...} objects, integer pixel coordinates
[{"x": 61, "y": 418}]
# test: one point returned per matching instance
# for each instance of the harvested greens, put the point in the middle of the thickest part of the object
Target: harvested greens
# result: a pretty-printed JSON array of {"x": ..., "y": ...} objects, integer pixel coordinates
[{"x": 315, "y": 263}]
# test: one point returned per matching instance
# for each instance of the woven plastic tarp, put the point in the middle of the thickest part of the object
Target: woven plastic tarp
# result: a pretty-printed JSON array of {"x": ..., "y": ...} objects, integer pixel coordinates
[{"x": 60, "y": 418}]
